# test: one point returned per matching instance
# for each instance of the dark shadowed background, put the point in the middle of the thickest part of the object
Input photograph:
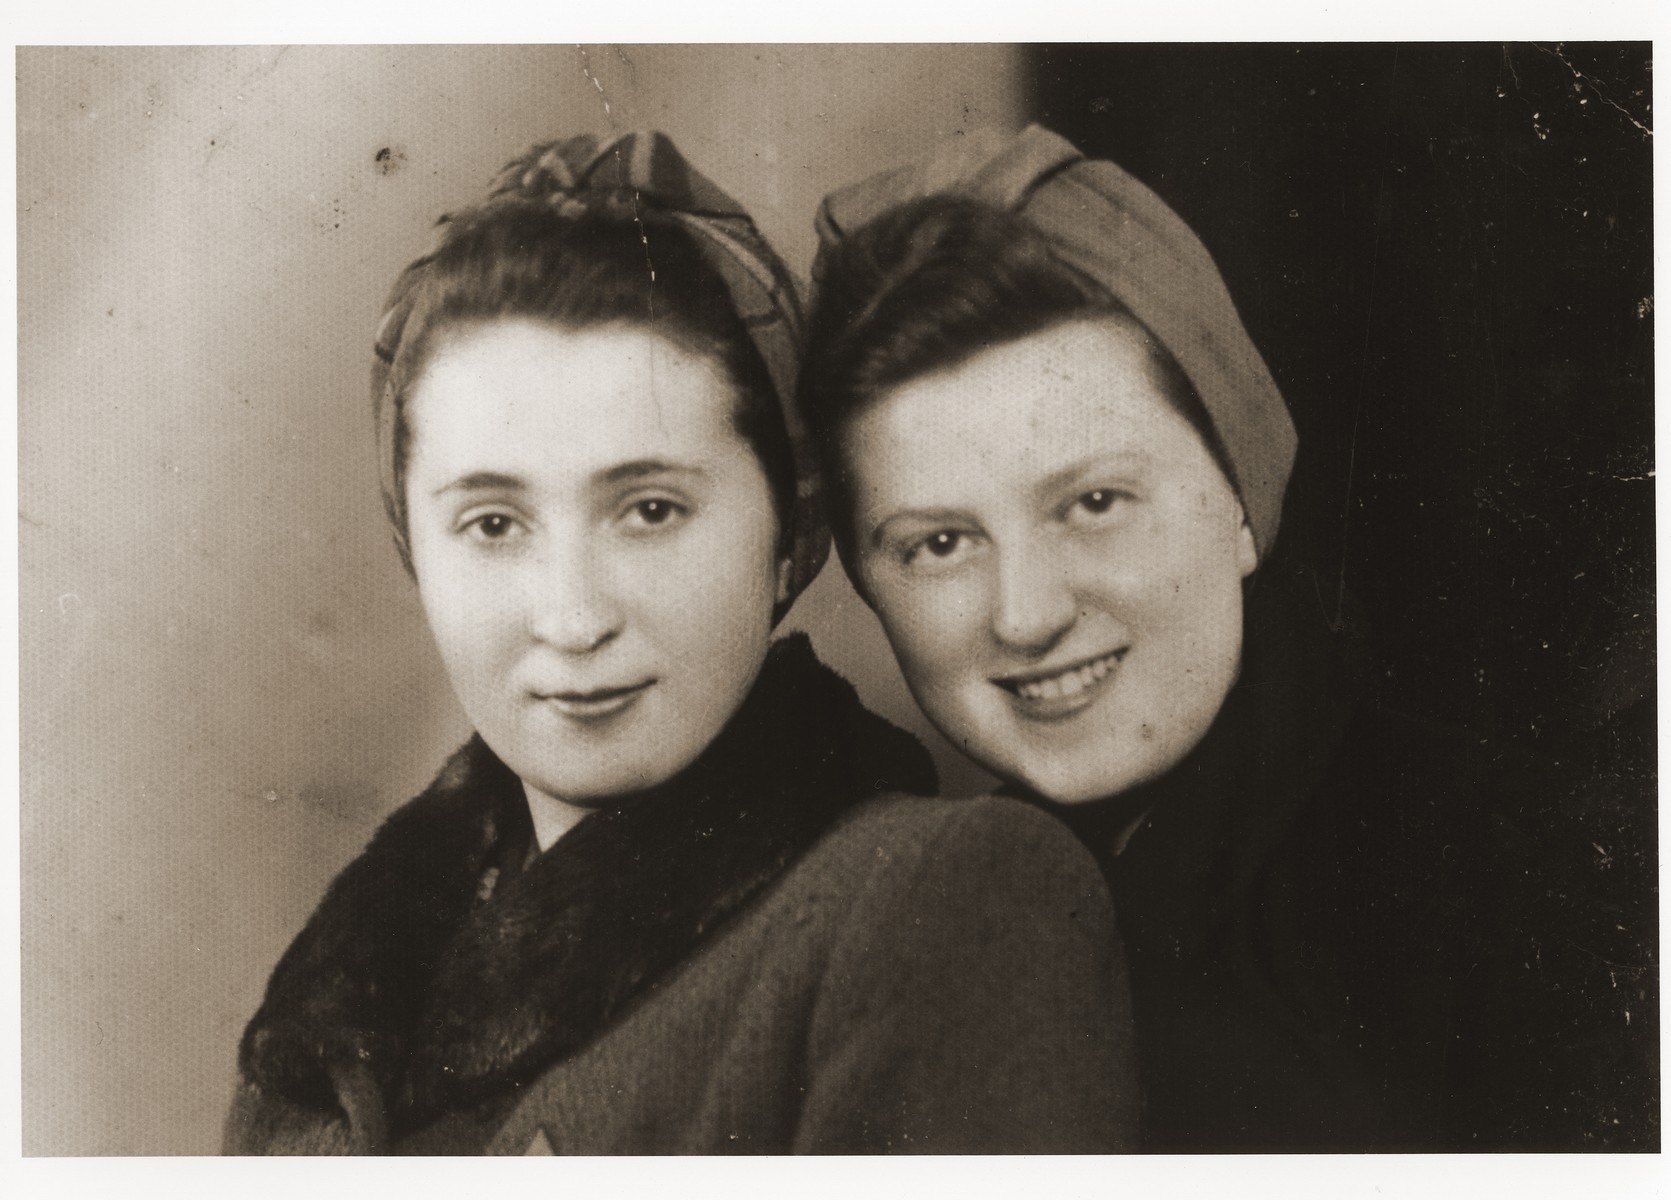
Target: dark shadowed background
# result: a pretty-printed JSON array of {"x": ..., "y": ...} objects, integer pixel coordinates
[
  {"x": 1445, "y": 254},
  {"x": 1443, "y": 251}
]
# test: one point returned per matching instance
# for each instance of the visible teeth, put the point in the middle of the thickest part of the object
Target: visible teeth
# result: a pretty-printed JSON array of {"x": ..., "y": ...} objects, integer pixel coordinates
[
  {"x": 1068, "y": 683},
  {"x": 1044, "y": 689}
]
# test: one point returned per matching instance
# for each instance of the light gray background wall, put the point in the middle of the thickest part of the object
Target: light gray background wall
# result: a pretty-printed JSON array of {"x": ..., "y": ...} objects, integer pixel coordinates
[{"x": 226, "y": 680}]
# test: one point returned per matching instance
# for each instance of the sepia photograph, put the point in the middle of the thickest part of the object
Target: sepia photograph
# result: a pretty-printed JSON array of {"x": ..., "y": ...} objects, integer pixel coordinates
[{"x": 837, "y": 599}]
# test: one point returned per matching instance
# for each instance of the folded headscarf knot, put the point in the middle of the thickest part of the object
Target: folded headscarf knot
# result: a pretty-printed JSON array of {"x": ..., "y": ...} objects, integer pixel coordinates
[{"x": 550, "y": 173}]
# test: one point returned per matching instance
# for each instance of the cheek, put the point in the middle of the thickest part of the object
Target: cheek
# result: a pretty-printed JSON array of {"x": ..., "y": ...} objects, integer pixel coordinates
[
  {"x": 474, "y": 629},
  {"x": 712, "y": 592},
  {"x": 449, "y": 583},
  {"x": 1192, "y": 612},
  {"x": 932, "y": 627},
  {"x": 1184, "y": 560}
]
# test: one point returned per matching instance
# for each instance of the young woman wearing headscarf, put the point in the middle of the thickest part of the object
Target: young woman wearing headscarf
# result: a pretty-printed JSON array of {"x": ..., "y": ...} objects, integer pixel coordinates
[
  {"x": 1058, "y": 466},
  {"x": 655, "y": 904}
]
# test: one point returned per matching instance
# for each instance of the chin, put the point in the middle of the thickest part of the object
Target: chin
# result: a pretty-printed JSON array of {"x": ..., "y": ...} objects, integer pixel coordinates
[
  {"x": 584, "y": 785},
  {"x": 1072, "y": 789},
  {"x": 603, "y": 789},
  {"x": 1081, "y": 783}
]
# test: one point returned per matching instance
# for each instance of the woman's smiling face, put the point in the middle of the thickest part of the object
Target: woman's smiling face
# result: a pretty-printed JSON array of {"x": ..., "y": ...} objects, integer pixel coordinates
[
  {"x": 1055, "y": 556},
  {"x": 595, "y": 546}
]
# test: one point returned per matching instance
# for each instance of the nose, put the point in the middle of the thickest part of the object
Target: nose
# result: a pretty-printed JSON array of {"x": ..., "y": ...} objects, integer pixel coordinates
[
  {"x": 573, "y": 607},
  {"x": 1034, "y": 603}
]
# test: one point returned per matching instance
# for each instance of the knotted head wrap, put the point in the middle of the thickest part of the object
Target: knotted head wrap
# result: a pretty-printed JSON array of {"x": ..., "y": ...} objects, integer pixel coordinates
[
  {"x": 640, "y": 181},
  {"x": 1107, "y": 226}
]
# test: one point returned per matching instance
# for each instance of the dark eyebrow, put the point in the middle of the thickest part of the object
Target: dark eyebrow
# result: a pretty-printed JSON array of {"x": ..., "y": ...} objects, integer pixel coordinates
[
  {"x": 642, "y": 467},
  {"x": 481, "y": 481},
  {"x": 1073, "y": 472},
  {"x": 928, "y": 516}
]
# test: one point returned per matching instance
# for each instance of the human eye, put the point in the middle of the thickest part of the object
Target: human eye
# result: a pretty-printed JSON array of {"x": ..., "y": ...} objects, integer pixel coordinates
[
  {"x": 491, "y": 527},
  {"x": 1095, "y": 506},
  {"x": 648, "y": 513},
  {"x": 936, "y": 551}
]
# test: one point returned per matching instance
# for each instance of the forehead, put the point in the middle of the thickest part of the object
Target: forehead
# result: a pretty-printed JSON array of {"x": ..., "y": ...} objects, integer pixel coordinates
[
  {"x": 531, "y": 395},
  {"x": 1019, "y": 411}
]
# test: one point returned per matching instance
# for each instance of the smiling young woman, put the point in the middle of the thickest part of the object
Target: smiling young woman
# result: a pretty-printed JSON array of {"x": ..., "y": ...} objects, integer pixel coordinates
[
  {"x": 1064, "y": 587},
  {"x": 655, "y": 904},
  {"x": 1058, "y": 466}
]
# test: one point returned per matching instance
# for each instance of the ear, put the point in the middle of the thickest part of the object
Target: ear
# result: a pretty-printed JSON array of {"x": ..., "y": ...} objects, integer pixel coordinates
[
  {"x": 784, "y": 566},
  {"x": 1247, "y": 553}
]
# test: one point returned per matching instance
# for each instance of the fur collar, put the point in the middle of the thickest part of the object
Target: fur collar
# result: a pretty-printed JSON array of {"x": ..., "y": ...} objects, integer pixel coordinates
[{"x": 450, "y": 966}]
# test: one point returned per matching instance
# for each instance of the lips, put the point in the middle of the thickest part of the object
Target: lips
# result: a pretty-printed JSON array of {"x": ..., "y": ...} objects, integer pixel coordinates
[
  {"x": 1061, "y": 691},
  {"x": 596, "y": 703}
]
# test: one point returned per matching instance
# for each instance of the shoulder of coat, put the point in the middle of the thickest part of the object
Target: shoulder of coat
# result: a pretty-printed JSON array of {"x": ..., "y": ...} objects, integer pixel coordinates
[{"x": 897, "y": 825}]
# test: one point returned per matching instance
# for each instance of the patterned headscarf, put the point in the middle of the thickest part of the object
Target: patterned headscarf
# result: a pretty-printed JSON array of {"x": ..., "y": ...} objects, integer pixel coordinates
[
  {"x": 580, "y": 175},
  {"x": 1103, "y": 222}
]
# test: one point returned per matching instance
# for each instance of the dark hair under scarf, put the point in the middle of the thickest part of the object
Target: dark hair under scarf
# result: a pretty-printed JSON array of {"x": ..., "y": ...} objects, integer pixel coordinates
[
  {"x": 1105, "y": 225},
  {"x": 632, "y": 190}
]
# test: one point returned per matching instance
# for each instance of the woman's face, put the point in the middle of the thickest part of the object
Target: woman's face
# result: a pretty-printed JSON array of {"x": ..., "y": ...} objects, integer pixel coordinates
[
  {"x": 1056, "y": 558},
  {"x": 595, "y": 547}
]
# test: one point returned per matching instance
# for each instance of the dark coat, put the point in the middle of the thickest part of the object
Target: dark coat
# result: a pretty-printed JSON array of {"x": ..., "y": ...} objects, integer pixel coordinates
[
  {"x": 754, "y": 957},
  {"x": 1350, "y": 930}
]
